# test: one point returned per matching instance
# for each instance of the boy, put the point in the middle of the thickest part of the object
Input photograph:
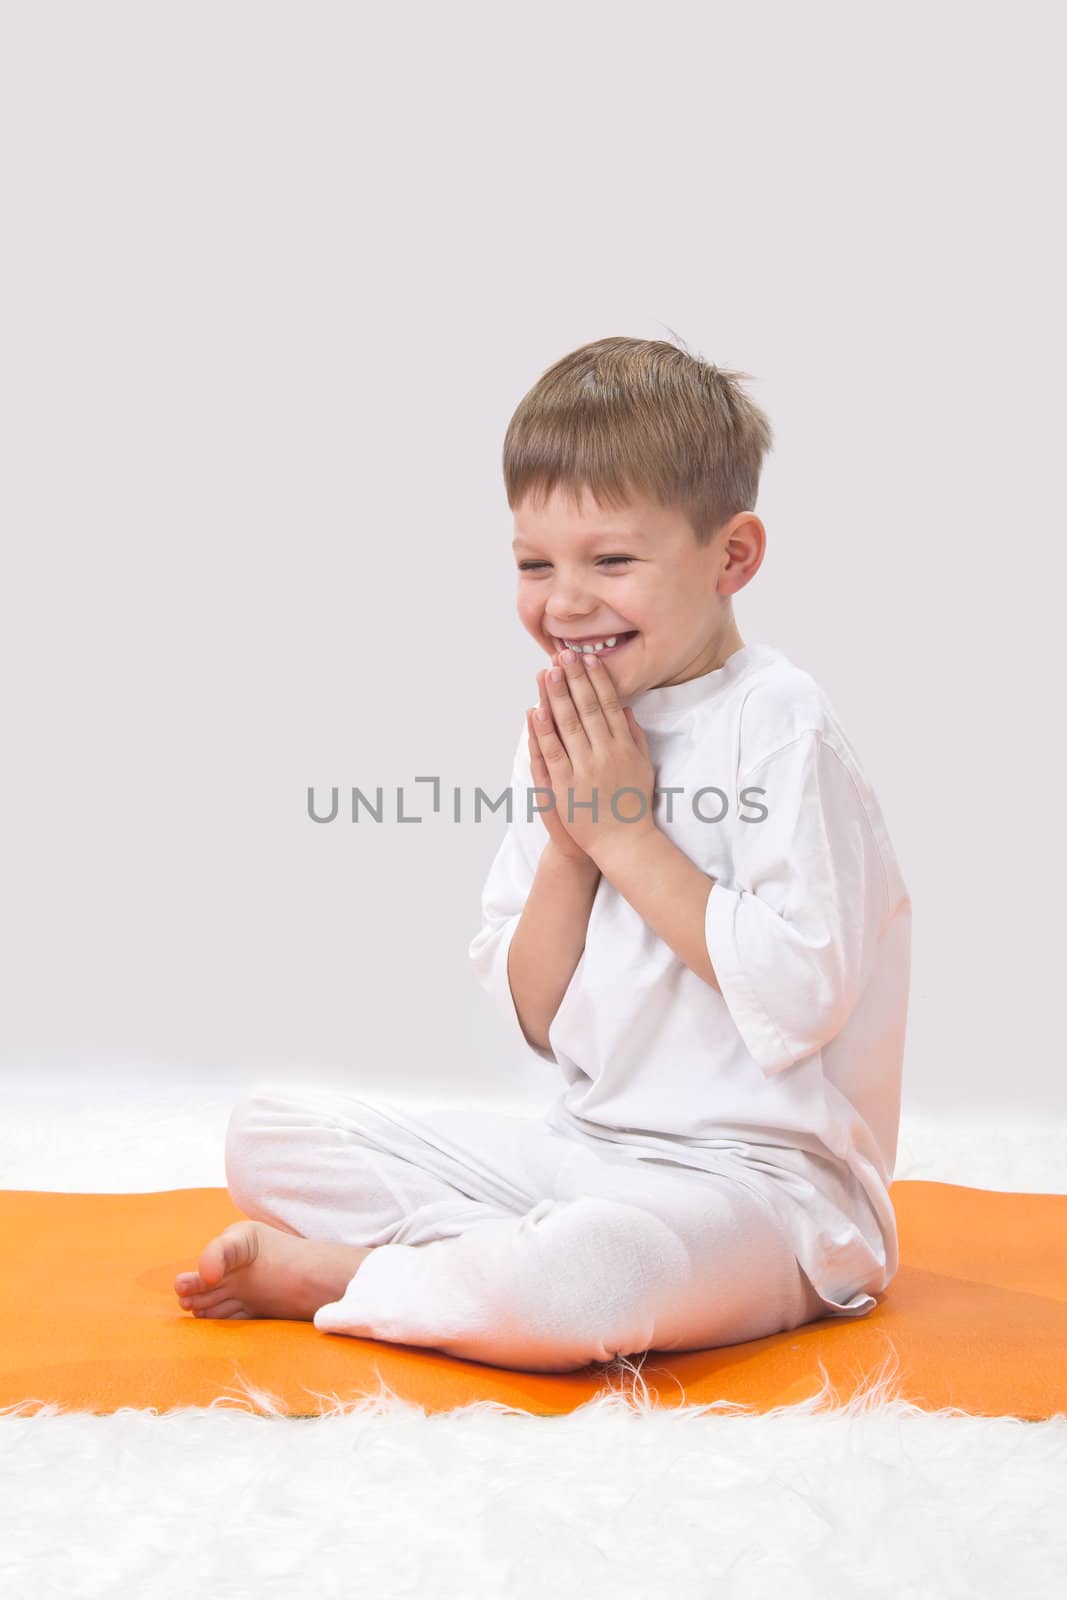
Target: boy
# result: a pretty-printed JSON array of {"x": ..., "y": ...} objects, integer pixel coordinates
[{"x": 696, "y": 915}]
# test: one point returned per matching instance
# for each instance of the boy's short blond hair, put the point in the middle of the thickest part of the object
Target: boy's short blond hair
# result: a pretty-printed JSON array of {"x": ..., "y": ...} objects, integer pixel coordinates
[{"x": 624, "y": 416}]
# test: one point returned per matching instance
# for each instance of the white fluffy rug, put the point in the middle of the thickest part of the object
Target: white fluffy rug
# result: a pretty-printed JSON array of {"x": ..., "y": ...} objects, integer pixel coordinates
[{"x": 616, "y": 1499}]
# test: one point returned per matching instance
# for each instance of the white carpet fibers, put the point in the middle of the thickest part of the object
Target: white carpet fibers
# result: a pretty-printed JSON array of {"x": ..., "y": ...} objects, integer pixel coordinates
[{"x": 616, "y": 1499}]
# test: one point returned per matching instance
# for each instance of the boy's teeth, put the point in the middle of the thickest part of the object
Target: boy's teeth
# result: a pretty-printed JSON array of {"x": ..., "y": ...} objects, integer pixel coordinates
[{"x": 605, "y": 644}]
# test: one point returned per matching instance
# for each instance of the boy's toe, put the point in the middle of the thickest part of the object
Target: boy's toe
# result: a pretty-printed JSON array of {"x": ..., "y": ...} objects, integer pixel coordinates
[
  {"x": 235, "y": 1247},
  {"x": 225, "y": 1309},
  {"x": 204, "y": 1302}
]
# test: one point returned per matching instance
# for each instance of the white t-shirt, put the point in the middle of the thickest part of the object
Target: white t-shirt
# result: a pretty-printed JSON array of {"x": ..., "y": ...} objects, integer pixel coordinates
[{"x": 789, "y": 1079}]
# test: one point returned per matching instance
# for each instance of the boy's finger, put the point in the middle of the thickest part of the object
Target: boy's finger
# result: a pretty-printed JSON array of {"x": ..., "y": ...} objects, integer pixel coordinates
[
  {"x": 595, "y": 693},
  {"x": 545, "y": 705}
]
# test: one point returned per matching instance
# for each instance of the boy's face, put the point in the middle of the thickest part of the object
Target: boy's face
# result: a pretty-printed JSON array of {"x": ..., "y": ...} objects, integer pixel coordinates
[{"x": 671, "y": 594}]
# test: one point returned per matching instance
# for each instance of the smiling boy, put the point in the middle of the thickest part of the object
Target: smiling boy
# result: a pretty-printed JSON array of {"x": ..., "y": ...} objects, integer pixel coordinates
[
  {"x": 695, "y": 915},
  {"x": 719, "y": 964}
]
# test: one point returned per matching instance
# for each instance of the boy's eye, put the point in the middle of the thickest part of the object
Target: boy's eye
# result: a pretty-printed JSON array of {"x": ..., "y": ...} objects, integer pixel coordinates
[{"x": 529, "y": 566}]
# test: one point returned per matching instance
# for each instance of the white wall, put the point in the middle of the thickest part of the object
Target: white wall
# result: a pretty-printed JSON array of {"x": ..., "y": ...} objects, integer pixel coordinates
[{"x": 274, "y": 280}]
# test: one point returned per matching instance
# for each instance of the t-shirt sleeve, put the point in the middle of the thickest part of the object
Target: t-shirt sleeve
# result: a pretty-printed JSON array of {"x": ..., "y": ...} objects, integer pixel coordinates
[
  {"x": 793, "y": 940},
  {"x": 507, "y": 886}
]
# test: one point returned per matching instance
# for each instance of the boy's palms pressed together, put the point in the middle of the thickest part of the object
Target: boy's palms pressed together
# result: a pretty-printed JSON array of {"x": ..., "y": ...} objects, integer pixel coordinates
[
  {"x": 592, "y": 753},
  {"x": 591, "y": 743}
]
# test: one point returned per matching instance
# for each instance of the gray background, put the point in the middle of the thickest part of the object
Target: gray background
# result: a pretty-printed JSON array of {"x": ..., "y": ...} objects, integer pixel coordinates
[{"x": 274, "y": 279}]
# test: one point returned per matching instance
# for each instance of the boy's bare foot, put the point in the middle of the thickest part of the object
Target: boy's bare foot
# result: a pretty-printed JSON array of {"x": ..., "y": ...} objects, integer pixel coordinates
[{"x": 254, "y": 1270}]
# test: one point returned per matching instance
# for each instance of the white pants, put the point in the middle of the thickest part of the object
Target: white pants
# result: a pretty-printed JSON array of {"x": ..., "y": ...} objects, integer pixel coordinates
[{"x": 502, "y": 1241}]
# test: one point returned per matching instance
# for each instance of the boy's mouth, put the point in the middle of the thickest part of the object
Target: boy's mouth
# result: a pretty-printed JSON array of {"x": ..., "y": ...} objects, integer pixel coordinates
[{"x": 621, "y": 641}]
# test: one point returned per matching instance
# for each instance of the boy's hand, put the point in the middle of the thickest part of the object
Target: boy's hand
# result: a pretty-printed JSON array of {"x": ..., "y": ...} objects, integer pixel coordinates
[
  {"x": 558, "y": 836},
  {"x": 592, "y": 743}
]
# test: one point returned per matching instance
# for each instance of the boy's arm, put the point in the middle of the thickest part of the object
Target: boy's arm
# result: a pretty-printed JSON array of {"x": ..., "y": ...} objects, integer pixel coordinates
[
  {"x": 548, "y": 942},
  {"x": 792, "y": 948},
  {"x": 667, "y": 889},
  {"x": 530, "y": 887}
]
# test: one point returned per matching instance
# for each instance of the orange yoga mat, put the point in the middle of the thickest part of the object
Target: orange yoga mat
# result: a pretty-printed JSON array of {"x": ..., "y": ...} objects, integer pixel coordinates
[{"x": 976, "y": 1318}]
